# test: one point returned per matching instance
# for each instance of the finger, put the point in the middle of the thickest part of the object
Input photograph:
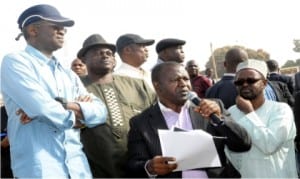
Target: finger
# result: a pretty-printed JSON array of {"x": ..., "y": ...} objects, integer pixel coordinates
[
  {"x": 86, "y": 98},
  {"x": 169, "y": 159},
  {"x": 26, "y": 121},
  {"x": 79, "y": 98},
  {"x": 19, "y": 111},
  {"x": 89, "y": 99}
]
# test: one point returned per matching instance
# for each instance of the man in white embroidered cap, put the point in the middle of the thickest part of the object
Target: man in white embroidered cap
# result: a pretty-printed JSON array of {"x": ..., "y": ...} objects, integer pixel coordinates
[
  {"x": 269, "y": 123},
  {"x": 46, "y": 103}
]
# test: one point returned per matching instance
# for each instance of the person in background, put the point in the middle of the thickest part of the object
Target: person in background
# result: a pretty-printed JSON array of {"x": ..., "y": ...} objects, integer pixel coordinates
[
  {"x": 269, "y": 123},
  {"x": 227, "y": 92},
  {"x": 209, "y": 74},
  {"x": 172, "y": 85},
  {"x": 133, "y": 52},
  {"x": 6, "y": 171},
  {"x": 78, "y": 67},
  {"x": 296, "y": 110},
  {"x": 46, "y": 103},
  {"x": 170, "y": 49},
  {"x": 297, "y": 118},
  {"x": 106, "y": 145},
  {"x": 297, "y": 82},
  {"x": 225, "y": 88},
  {"x": 274, "y": 75},
  {"x": 199, "y": 82}
]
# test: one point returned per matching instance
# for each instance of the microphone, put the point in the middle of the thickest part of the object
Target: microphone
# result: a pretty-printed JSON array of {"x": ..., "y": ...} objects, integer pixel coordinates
[{"x": 192, "y": 96}]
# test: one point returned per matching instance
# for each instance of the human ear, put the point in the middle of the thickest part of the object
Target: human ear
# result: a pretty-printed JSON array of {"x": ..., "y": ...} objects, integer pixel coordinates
[
  {"x": 32, "y": 30},
  {"x": 156, "y": 86}
]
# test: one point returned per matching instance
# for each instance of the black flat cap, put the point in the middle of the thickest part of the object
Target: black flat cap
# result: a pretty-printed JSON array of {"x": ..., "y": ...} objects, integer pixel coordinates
[
  {"x": 43, "y": 12},
  {"x": 128, "y": 39},
  {"x": 167, "y": 43},
  {"x": 94, "y": 40}
]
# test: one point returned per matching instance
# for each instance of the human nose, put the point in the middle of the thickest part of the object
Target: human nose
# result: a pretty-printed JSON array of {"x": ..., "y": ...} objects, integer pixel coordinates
[{"x": 182, "y": 82}]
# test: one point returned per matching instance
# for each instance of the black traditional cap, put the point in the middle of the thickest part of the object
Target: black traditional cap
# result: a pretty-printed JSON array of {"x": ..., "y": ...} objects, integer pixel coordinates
[
  {"x": 128, "y": 39},
  {"x": 94, "y": 40},
  {"x": 43, "y": 12},
  {"x": 166, "y": 43}
]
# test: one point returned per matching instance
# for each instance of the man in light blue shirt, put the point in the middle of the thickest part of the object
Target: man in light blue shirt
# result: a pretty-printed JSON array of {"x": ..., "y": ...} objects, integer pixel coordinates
[{"x": 35, "y": 84}]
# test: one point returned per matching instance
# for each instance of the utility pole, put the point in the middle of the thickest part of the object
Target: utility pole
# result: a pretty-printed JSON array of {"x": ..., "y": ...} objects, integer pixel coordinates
[
  {"x": 213, "y": 61},
  {"x": 297, "y": 45}
]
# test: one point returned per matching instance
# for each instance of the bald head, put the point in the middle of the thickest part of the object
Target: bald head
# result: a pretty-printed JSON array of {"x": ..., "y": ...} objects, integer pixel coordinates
[{"x": 233, "y": 57}]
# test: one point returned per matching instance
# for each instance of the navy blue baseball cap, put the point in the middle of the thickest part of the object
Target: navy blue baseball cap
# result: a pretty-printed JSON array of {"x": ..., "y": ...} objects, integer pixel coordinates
[{"x": 43, "y": 12}]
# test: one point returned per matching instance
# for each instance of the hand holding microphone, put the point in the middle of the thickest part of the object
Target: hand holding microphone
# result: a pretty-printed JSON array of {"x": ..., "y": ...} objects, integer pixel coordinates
[{"x": 207, "y": 108}]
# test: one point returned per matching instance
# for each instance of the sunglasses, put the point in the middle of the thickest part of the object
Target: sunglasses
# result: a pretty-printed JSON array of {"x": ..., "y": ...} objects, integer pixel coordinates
[{"x": 249, "y": 81}]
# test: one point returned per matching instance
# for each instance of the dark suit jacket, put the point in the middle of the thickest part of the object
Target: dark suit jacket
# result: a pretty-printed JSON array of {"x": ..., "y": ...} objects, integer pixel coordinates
[
  {"x": 282, "y": 92},
  {"x": 283, "y": 78},
  {"x": 224, "y": 90},
  {"x": 297, "y": 116},
  {"x": 144, "y": 144},
  {"x": 297, "y": 82}
]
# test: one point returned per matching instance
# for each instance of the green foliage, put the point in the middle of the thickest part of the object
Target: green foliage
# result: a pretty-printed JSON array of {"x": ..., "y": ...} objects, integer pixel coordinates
[{"x": 291, "y": 63}]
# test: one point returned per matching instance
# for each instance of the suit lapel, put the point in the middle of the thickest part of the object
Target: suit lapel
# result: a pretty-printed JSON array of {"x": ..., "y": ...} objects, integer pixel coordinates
[
  {"x": 197, "y": 121},
  {"x": 157, "y": 120}
]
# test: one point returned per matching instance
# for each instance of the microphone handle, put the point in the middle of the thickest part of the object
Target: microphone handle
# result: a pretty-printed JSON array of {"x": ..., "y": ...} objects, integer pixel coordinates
[
  {"x": 215, "y": 119},
  {"x": 196, "y": 101}
]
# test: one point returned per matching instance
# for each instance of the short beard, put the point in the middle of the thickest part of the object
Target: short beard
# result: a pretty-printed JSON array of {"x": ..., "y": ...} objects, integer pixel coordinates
[{"x": 249, "y": 97}]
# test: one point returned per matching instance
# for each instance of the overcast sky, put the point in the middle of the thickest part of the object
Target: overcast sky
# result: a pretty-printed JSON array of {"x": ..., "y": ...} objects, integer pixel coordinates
[{"x": 268, "y": 24}]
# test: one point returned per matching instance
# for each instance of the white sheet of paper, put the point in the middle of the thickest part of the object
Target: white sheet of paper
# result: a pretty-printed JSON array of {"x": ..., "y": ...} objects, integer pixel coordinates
[{"x": 192, "y": 149}]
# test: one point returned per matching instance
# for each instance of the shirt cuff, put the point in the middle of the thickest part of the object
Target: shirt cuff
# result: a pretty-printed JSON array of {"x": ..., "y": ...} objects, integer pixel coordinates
[{"x": 148, "y": 173}]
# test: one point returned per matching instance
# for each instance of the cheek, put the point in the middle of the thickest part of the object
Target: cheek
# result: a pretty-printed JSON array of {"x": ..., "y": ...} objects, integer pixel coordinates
[{"x": 188, "y": 84}]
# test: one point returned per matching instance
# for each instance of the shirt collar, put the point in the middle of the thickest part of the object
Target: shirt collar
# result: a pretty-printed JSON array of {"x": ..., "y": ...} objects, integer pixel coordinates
[
  {"x": 163, "y": 108},
  {"x": 40, "y": 56},
  {"x": 130, "y": 67},
  {"x": 229, "y": 74}
]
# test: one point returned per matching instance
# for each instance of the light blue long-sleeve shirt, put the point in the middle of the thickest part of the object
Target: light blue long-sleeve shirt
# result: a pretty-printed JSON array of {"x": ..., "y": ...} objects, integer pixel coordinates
[{"x": 48, "y": 146}]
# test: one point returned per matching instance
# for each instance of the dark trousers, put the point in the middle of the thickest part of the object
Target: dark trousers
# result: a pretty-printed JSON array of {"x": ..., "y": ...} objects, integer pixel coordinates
[{"x": 6, "y": 171}]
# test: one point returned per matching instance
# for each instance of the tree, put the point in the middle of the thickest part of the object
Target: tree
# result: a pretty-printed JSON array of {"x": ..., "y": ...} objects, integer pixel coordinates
[{"x": 289, "y": 63}]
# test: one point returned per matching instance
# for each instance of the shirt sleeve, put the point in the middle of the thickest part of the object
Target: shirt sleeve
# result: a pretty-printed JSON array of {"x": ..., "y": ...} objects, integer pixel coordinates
[
  {"x": 21, "y": 85},
  {"x": 94, "y": 112},
  {"x": 270, "y": 135}
]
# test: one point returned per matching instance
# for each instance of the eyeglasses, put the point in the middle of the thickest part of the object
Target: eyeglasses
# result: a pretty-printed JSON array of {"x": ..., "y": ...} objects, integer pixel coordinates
[{"x": 249, "y": 81}]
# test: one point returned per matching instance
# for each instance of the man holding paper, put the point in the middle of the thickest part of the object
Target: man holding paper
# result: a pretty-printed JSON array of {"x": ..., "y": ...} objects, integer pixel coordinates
[{"x": 172, "y": 85}]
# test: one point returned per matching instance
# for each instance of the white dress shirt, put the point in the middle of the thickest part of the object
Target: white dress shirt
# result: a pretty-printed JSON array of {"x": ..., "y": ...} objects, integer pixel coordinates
[{"x": 134, "y": 72}]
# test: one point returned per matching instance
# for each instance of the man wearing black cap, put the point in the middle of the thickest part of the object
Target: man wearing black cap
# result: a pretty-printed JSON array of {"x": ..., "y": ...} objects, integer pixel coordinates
[
  {"x": 133, "y": 52},
  {"x": 170, "y": 50},
  {"x": 52, "y": 103},
  {"x": 106, "y": 145}
]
